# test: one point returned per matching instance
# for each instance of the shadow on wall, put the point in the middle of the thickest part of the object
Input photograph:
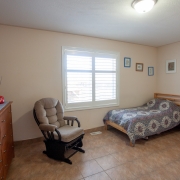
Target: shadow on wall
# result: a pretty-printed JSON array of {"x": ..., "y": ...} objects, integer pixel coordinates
[{"x": 26, "y": 128}]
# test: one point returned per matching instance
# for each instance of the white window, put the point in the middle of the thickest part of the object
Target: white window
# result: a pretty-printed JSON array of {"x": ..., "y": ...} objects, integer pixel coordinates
[{"x": 90, "y": 79}]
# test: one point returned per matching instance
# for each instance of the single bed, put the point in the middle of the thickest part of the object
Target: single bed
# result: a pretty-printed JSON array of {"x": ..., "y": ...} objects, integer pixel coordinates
[{"x": 158, "y": 115}]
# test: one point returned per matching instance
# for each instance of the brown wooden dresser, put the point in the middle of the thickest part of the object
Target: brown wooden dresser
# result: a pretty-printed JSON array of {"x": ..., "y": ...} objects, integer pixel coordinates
[{"x": 6, "y": 139}]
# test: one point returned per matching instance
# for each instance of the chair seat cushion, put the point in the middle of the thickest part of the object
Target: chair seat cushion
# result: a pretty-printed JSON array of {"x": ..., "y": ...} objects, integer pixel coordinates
[{"x": 69, "y": 133}]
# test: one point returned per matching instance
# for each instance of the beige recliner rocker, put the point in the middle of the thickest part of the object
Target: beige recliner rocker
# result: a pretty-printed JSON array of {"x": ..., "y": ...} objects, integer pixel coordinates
[{"x": 60, "y": 135}]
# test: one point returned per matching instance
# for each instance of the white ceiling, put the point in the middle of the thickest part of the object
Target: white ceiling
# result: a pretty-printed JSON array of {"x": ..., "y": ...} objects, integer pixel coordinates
[{"x": 110, "y": 19}]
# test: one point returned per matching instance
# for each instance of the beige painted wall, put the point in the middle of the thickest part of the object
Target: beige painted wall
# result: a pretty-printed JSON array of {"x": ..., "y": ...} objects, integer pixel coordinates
[
  {"x": 168, "y": 83},
  {"x": 30, "y": 63}
]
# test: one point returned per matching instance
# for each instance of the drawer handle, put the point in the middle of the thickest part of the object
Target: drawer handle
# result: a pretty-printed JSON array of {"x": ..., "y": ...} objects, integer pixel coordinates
[
  {"x": 4, "y": 136},
  {"x": 4, "y": 151},
  {"x": 6, "y": 165},
  {"x": 0, "y": 161},
  {"x": 3, "y": 120}
]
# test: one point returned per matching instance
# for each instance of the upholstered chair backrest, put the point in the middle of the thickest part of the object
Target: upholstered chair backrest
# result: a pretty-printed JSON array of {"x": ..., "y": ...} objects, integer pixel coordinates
[{"x": 49, "y": 111}]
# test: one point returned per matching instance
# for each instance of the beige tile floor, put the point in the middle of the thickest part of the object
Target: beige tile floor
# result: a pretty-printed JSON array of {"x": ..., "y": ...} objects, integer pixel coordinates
[{"x": 108, "y": 157}]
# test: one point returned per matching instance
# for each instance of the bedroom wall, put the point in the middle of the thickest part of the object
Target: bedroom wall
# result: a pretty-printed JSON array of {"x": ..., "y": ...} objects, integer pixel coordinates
[
  {"x": 168, "y": 83},
  {"x": 30, "y": 63}
]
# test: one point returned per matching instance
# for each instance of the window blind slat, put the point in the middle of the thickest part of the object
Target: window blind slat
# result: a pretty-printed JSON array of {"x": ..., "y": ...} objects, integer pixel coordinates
[
  {"x": 79, "y": 87},
  {"x": 105, "y": 84},
  {"x": 103, "y": 64},
  {"x": 79, "y": 62}
]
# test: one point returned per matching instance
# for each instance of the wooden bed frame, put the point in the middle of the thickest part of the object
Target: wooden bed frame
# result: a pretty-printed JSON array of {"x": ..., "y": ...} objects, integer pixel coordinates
[{"x": 170, "y": 97}]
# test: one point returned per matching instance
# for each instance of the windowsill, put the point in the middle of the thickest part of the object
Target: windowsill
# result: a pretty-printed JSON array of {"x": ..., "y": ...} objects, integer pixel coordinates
[{"x": 90, "y": 108}]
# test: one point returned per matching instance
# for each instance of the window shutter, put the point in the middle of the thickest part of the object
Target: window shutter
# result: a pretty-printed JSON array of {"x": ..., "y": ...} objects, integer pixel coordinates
[
  {"x": 105, "y": 86},
  {"x": 105, "y": 79},
  {"x": 90, "y": 79},
  {"x": 79, "y": 79}
]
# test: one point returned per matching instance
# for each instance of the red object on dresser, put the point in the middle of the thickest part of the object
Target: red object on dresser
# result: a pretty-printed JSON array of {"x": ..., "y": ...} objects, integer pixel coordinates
[{"x": 1, "y": 99}]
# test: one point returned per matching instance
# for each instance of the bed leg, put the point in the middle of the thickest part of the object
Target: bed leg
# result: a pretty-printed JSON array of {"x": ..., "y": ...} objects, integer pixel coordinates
[
  {"x": 131, "y": 144},
  {"x": 146, "y": 138}
]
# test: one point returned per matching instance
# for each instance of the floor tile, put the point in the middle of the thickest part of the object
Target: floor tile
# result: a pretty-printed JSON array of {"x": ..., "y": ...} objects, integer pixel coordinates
[
  {"x": 89, "y": 168},
  {"x": 155, "y": 161},
  {"x": 120, "y": 157},
  {"x": 99, "y": 176},
  {"x": 82, "y": 157},
  {"x": 124, "y": 156},
  {"x": 120, "y": 173},
  {"x": 70, "y": 173},
  {"x": 173, "y": 169},
  {"x": 114, "y": 147},
  {"x": 138, "y": 167},
  {"x": 145, "y": 177},
  {"x": 162, "y": 174},
  {"x": 98, "y": 152},
  {"x": 107, "y": 162}
]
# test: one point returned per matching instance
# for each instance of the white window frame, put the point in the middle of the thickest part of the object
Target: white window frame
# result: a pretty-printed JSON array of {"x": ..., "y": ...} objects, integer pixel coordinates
[{"x": 93, "y": 104}]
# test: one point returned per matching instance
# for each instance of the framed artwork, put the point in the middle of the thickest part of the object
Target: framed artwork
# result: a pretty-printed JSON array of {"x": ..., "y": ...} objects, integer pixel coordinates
[
  {"x": 127, "y": 62},
  {"x": 170, "y": 66},
  {"x": 139, "y": 66},
  {"x": 150, "y": 71}
]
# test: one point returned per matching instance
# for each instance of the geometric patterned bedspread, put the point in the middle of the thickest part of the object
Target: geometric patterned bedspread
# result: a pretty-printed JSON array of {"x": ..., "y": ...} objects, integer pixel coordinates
[{"x": 154, "y": 117}]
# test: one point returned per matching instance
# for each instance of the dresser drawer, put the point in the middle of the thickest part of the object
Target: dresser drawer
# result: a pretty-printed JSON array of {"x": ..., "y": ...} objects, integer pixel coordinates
[
  {"x": 7, "y": 149},
  {"x": 1, "y": 160},
  {"x": 7, "y": 156},
  {"x": 1, "y": 174},
  {"x": 6, "y": 140},
  {"x": 6, "y": 124},
  {"x": 5, "y": 114},
  {"x": 5, "y": 171},
  {"x": 5, "y": 164}
]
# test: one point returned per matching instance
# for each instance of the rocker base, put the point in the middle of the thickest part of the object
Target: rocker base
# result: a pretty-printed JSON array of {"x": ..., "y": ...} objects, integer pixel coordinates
[
  {"x": 79, "y": 149},
  {"x": 59, "y": 151}
]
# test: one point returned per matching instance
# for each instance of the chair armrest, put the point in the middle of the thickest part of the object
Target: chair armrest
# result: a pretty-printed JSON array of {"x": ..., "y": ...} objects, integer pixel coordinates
[
  {"x": 72, "y": 118},
  {"x": 47, "y": 127},
  {"x": 69, "y": 117}
]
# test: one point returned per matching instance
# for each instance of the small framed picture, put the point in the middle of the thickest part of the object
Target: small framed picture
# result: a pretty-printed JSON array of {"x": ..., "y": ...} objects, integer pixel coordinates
[
  {"x": 139, "y": 66},
  {"x": 150, "y": 71},
  {"x": 127, "y": 62},
  {"x": 171, "y": 66}
]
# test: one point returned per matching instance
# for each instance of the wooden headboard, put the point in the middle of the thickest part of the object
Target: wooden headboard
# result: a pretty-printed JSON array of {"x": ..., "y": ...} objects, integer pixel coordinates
[{"x": 170, "y": 97}]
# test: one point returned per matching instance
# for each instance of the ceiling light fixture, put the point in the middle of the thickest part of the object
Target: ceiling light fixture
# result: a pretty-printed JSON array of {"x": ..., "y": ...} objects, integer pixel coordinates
[{"x": 143, "y": 6}]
